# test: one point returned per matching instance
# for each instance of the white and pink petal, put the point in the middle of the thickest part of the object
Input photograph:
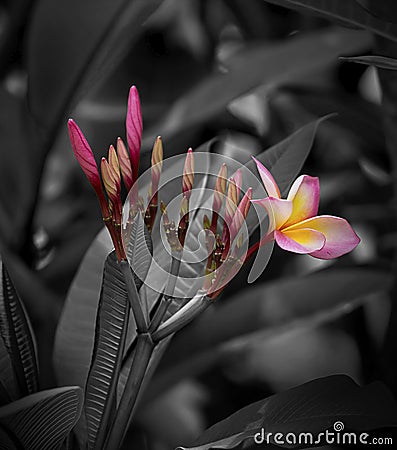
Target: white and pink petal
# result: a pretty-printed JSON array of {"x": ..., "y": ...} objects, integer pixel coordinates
[
  {"x": 340, "y": 238},
  {"x": 278, "y": 211},
  {"x": 268, "y": 181},
  {"x": 303, "y": 241},
  {"x": 305, "y": 197}
]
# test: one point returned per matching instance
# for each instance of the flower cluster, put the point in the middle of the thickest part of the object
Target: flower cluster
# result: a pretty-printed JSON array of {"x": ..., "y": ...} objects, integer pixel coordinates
[{"x": 293, "y": 222}]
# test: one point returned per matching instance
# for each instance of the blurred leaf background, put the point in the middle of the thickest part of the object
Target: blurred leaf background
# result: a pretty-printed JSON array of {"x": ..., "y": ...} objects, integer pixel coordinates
[{"x": 250, "y": 73}]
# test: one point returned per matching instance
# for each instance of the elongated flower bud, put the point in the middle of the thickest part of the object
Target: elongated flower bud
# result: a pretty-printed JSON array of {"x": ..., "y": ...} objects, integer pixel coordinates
[
  {"x": 240, "y": 214},
  {"x": 157, "y": 163},
  {"x": 125, "y": 164},
  {"x": 134, "y": 129},
  {"x": 184, "y": 207},
  {"x": 115, "y": 171},
  {"x": 238, "y": 179},
  {"x": 86, "y": 159},
  {"x": 114, "y": 161},
  {"x": 231, "y": 202},
  {"x": 219, "y": 191},
  {"x": 206, "y": 222},
  {"x": 110, "y": 182},
  {"x": 220, "y": 188},
  {"x": 188, "y": 174}
]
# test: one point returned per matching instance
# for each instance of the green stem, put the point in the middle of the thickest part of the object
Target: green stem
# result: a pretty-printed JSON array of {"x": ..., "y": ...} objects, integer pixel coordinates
[
  {"x": 133, "y": 296},
  {"x": 181, "y": 318},
  {"x": 121, "y": 422},
  {"x": 166, "y": 299}
]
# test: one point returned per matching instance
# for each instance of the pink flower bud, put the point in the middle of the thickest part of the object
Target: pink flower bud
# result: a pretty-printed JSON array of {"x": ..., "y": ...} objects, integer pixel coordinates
[
  {"x": 86, "y": 159},
  {"x": 220, "y": 188},
  {"x": 125, "y": 164},
  {"x": 110, "y": 182},
  {"x": 188, "y": 174},
  {"x": 134, "y": 129},
  {"x": 240, "y": 214},
  {"x": 157, "y": 163}
]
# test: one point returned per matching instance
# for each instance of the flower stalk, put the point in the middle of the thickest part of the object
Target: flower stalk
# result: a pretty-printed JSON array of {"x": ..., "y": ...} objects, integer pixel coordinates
[
  {"x": 143, "y": 353},
  {"x": 166, "y": 299},
  {"x": 199, "y": 303}
]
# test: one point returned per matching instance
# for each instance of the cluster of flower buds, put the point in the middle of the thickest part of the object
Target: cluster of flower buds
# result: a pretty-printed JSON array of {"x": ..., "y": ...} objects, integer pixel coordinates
[
  {"x": 124, "y": 164},
  {"x": 176, "y": 234},
  {"x": 222, "y": 244},
  {"x": 120, "y": 164}
]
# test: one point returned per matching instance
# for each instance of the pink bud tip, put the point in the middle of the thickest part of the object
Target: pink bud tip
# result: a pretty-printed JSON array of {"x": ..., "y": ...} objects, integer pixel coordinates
[
  {"x": 134, "y": 129},
  {"x": 84, "y": 155}
]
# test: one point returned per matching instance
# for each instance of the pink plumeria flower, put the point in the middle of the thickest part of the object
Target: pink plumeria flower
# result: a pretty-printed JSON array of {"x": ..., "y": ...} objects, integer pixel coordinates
[{"x": 294, "y": 223}]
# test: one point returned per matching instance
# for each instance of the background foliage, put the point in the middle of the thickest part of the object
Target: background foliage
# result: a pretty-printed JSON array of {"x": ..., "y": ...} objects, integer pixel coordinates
[{"x": 250, "y": 73}]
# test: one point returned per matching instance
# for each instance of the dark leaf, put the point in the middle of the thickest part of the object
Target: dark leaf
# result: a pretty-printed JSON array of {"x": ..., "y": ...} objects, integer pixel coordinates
[
  {"x": 110, "y": 334},
  {"x": 285, "y": 159},
  {"x": 385, "y": 10},
  {"x": 388, "y": 82},
  {"x": 272, "y": 64},
  {"x": 43, "y": 420},
  {"x": 382, "y": 62},
  {"x": 74, "y": 45},
  {"x": 8, "y": 384},
  {"x": 355, "y": 115},
  {"x": 262, "y": 311},
  {"x": 20, "y": 169},
  {"x": 74, "y": 340},
  {"x": 17, "y": 335},
  {"x": 311, "y": 408},
  {"x": 348, "y": 12}
]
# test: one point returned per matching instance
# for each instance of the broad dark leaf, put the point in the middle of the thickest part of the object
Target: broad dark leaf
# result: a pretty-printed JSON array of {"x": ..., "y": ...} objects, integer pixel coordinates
[
  {"x": 73, "y": 45},
  {"x": 385, "y": 10},
  {"x": 262, "y": 311},
  {"x": 354, "y": 114},
  {"x": 311, "y": 408},
  {"x": 8, "y": 384},
  {"x": 110, "y": 334},
  {"x": 348, "y": 12},
  {"x": 382, "y": 62},
  {"x": 17, "y": 335},
  {"x": 272, "y": 64},
  {"x": 388, "y": 82},
  {"x": 285, "y": 159},
  {"x": 41, "y": 421},
  {"x": 20, "y": 169}
]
